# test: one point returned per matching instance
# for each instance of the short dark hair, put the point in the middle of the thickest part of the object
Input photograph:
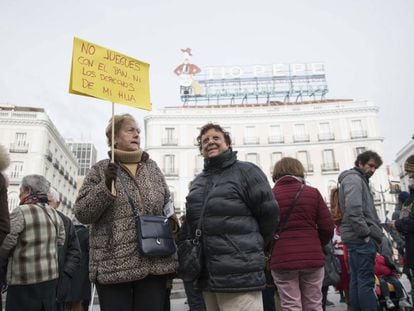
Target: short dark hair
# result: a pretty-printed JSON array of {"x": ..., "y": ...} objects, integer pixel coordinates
[
  {"x": 365, "y": 156},
  {"x": 288, "y": 166},
  {"x": 218, "y": 128}
]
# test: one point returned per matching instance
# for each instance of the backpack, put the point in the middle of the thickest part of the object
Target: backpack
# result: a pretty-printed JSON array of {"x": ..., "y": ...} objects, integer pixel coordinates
[{"x": 336, "y": 211}]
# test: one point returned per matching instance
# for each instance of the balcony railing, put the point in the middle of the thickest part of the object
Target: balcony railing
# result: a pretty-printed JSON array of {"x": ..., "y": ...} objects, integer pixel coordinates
[
  {"x": 169, "y": 141},
  {"x": 19, "y": 147},
  {"x": 56, "y": 164},
  {"x": 252, "y": 140},
  {"x": 328, "y": 167},
  {"x": 49, "y": 155},
  {"x": 308, "y": 168},
  {"x": 276, "y": 139},
  {"x": 358, "y": 134},
  {"x": 15, "y": 180},
  {"x": 326, "y": 136},
  {"x": 170, "y": 172},
  {"x": 301, "y": 138}
]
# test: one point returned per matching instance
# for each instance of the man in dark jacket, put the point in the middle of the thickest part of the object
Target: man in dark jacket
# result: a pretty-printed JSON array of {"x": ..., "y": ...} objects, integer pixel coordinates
[
  {"x": 360, "y": 228},
  {"x": 69, "y": 254},
  {"x": 240, "y": 215}
]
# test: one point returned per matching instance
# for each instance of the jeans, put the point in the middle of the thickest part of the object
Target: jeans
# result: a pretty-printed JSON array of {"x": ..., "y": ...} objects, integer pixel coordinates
[{"x": 362, "y": 285}]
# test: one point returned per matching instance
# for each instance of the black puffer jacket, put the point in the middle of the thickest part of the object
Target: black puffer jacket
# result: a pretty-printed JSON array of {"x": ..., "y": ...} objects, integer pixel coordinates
[{"x": 240, "y": 216}]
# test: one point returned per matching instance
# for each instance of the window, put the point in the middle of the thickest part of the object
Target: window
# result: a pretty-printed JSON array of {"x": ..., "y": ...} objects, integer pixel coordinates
[
  {"x": 276, "y": 134},
  {"x": 300, "y": 134},
  {"x": 303, "y": 157},
  {"x": 16, "y": 170},
  {"x": 325, "y": 131},
  {"x": 169, "y": 138},
  {"x": 357, "y": 130},
  {"x": 252, "y": 157},
  {"x": 14, "y": 200},
  {"x": 19, "y": 145},
  {"x": 21, "y": 139},
  {"x": 359, "y": 150},
  {"x": 250, "y": 135},
  {"x": 275, "y": 157},
  {"x": 329, "y": 163},
  {"x": 324, "y": 127},
  {"x": 169, "y": 164}
]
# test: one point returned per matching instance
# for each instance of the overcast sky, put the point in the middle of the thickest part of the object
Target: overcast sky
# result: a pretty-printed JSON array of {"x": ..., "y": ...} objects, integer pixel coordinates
[{"x": 367, "y": 47}]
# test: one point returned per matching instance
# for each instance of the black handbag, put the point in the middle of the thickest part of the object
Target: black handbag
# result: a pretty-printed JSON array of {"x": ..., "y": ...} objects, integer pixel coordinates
[
  {"x": 190, "y": 251},
  {"x": 154, "y": 235}
]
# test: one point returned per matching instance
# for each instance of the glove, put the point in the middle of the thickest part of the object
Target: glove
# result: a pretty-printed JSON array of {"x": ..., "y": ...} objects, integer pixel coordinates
[
  {"x": 110, "y": 174},
  {"x": 63, "y": 288}
]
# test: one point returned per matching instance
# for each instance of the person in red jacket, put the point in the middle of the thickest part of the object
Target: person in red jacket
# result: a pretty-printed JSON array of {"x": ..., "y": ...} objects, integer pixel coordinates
[
  {"x": 297, "y": 259},
  {"x": 387, "y": 272}
]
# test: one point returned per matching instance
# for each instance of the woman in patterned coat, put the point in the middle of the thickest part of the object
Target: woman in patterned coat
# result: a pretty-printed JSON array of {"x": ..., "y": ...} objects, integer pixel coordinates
[{"x": 125, "y": 280}]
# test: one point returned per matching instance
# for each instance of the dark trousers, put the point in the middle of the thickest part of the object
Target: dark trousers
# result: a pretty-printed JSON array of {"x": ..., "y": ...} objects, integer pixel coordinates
[
  {"x": 395, "y": 282},
  {"x": 33, "y": 297},
  {"x": 147, "y": 294},
  {"x": 362, "y": 285},
  {"x": 194, "y": 297}
]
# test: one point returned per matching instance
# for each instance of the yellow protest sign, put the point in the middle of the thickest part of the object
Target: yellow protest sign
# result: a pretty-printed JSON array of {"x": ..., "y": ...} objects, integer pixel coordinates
[{"x": 102, "y": 73}]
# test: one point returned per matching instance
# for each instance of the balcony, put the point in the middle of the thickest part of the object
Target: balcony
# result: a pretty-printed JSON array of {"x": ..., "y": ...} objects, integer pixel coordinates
[
  {"x": 61, "y": 170},
  {"x": 303, "y": 138},
  {"x": 66, "y": 175},
  {"x": 169, "y": 141},
  {"x": 170, "y": 172},
  {"x": 358, "y": 134},
  {"x": 276, "y": 139},
  {"x": 326, "y": 136},
  {"x": 308, "y": 168},
  {"x": 15, "y": 180},
  {"x": 21, "y": 147},
  {"x": 56, "y": 164},
  {"x": 330, "y": 167},
  {"x": 49, "y": 155},
  {"x": 252, "y": 140}
]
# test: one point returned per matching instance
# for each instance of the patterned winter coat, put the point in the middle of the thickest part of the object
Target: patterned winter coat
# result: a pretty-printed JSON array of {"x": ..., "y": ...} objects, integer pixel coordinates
[
  {"x": 114, "y": 257},
  {"x": 307, "y": 230}
]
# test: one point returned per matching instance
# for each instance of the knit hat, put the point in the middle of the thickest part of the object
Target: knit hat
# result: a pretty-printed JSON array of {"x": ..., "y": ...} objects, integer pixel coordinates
[
  {"x": 409, "y": 164},
  {"x": 404, "y": 195}
]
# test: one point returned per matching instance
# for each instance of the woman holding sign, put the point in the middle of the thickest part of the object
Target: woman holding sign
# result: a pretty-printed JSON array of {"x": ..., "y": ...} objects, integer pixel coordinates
[{"x": 125, "y": 278}]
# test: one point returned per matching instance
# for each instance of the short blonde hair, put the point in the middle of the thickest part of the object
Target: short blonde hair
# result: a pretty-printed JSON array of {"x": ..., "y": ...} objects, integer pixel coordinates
[
  {"x": 288, "y": 166},
  {"x": 118, "y": 120}
]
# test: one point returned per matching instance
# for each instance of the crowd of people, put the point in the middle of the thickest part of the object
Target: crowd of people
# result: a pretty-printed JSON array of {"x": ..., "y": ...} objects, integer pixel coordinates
[{"x": 256, "y": 247}]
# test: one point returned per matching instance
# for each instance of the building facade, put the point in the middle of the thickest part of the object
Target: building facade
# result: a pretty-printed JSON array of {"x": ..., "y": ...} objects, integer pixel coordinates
[
  {"x": 86, "y": 154},
  {"x": 326, "y": 136},
  {"x": 36, "y": 147},
  {"x": 398, "y": 167}
]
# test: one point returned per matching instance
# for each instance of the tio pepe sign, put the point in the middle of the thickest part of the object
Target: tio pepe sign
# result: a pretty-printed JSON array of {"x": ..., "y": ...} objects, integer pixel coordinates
[{"x": 109, "y": 75}]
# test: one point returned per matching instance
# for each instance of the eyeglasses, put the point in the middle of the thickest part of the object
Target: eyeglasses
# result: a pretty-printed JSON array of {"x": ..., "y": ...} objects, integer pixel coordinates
[{"x": 214, "y": 139}]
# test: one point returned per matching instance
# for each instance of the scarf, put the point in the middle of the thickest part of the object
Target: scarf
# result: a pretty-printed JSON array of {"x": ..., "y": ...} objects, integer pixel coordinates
[
  {"x": 127, "y": 156},
  {"x": 35, "y": 198}
]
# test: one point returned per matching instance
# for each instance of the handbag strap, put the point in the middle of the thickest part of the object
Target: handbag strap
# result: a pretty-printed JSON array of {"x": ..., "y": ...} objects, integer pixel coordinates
[
  {"x": 282, "y": 224},
  {"x": 198, "y": 231},
  {"x": 131, "y": 202}
]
